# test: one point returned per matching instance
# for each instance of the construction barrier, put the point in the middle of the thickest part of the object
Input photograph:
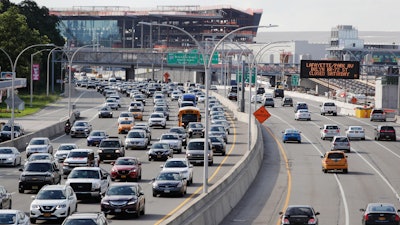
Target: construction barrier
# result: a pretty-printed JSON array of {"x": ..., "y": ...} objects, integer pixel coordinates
[{"x": 363, "y": 112}]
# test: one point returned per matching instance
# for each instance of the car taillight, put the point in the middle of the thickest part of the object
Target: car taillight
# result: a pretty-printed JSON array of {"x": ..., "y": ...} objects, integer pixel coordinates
[
  {"x": 312, "y": 221},
  {"x": 366, "y": 217},
  {"x": 325, "y": 131},
  {"x": 286, "y": 221},
  {"x": 337, "y": 131},
  {"x": 397, "y": 218}
]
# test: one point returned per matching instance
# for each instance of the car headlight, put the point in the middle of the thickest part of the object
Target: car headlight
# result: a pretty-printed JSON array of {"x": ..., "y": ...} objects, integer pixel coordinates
[
  {"x": 95, "y": 185},
  {"x": 105, "y": 203},
  {"x": 188, "y": 154},
  {"x": 132, "y": 201},
  {"x": 34, "y": 206},
  {"x": 180, "y": 184},
  {"x": 10, "y": 158},
  {"x": 100, "y": 151},
  {"x": 155, "y": 185},
  {"x": 117, "y": 151},
  {"x": 134, "y": 170},
  {"x": 61, "y": 206}
]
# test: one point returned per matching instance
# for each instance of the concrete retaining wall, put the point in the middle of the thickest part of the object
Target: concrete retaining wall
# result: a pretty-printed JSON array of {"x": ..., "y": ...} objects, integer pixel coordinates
[{"x": 213, "y": 207}]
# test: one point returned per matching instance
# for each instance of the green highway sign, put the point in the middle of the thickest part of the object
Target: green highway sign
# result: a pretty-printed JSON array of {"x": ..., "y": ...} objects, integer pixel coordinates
[
  {"x": 191, "y": 58},
  {"x": 295, "y": 80}
]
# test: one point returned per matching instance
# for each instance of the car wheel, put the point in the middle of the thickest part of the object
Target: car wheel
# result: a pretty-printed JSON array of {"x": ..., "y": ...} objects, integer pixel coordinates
[
  {"x": 299, "y": 142},
  {"x": 345, "y": 171},
  {"x": 363, "y": 139},
  {"x": 10, "y": 206},
  {"x": 154, "y": 194},
  {"x": 284, "y": 141},
  {"x": 32, "y": 220},
  {"x": 335, "y": 114},
  {"x": 324, "y": 170},
  {"x": 143, "y": 210},
  {"x": 21, "y": 190}
]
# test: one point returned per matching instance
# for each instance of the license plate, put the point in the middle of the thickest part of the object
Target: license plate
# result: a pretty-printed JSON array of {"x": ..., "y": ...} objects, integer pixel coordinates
[
  {"x": 117, "y": 210},
  {"x": 108, "y": 155},
  {"x": 46, "y": 214},
  {"x": 199, "y": 161},
  {"x": 382, "y": 218},
  {"x": 158, "y": 156},
  {"x": 123, "y": 176},
  {"x": 35, "y": 187},
  {"x": 167, "y": 191}
]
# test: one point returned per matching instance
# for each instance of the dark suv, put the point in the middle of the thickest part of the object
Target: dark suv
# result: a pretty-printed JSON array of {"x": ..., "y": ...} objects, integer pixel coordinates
[
  {"x": 36, "y": 174},
  {"x": 260, "y": 90},
  {"x": 86, "y": 218},
  {"x": 111, "y": 148},
  {"x": 383, "y": 132}
]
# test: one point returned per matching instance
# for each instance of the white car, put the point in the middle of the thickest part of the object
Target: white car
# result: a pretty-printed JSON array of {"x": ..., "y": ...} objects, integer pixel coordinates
[
  {"x": 355, "y": 132},
  {"x": 13, "y": 217},
  {"x": 257, "y": 98},
  {"x": 10, "y": 156},
  {"x": 182, "y": 165},
  {"x": 136, "y": 139},
  {"x": 39, "y": 144},
  {"x": 175, "y": 95},
  {"x": 125, "y": 116},
  {"x": 302, "y": 114},
  {"x": 137, "y": 104},
  {"x": 53, "y": 202},
  {"x": 63, "y": 150},
  {"x": 157, "y": 119},
  {"x": 112, "y": 103}
]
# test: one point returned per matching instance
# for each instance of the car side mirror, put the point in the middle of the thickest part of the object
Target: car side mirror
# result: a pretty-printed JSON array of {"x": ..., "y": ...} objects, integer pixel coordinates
[
  {"x": 154, "y": 179},
  {"x": 33, "y": 197},
  {"x": 317, "y": 213}
]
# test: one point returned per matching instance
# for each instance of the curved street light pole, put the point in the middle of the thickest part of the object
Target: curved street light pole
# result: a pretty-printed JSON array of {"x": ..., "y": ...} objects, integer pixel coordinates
[
  {"x": 70, "y": 74},
  {"x": 48, "y": 69}
]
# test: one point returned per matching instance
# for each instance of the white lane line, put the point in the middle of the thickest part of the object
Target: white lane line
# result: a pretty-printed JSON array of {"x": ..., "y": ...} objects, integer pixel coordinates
[{"x": 342, "y": 193}]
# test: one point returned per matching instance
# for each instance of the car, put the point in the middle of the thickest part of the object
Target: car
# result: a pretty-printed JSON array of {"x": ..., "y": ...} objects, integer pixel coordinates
[
  {"x": 137, "y": 104},
  {"x": 139, "y": 98},
  {"x": 260, "y": 90},
  {"x": 218, "y": 108},
  {"x": 63, "y": 150},
  {"x": 81, "y": 128},
  {"x": 160, "y": 151},
  {"x": 53, "y": 202},
  {"x": 340, "y": 143},
  {"x": 378, "y": 115},
  {"x": 5, "y": 133},
  {"x": 158, "y": 96},
  {"x": 145, "y": 127},
  {"x": 300, "y": 105},
  {"x": 126, "y": 168},
  {"x": 232, "y": 96},
  {"x": 355, "y": 132},
  {"x": 219, "y": 130},
  {"x": 328, "y": 108},
  {"x": 111, "y": 148},
  {"x": 380, "y": 213},
  {"x": 10, "y": 156},
  {"x": 169, "y": 183},
  {"x": 202, "y": 98},
  {"x": 269, "y": 102},
  {"x": 218, "y": 144},
  {"x": 105, "y": 112},
  {"x": 125, "y": 126},
  {"x": 182, "y": 165},
  {"x": 222, "y": 122},
  {"x": 112, "y": 103},
  {"x": 95, "y": 218},
  {"x": 257, "y": 98},
  {"x": 123, "y": 116},
  {"x": 334, "y": 160},
  {"x": 213, "y": 87},
  {"x": 124, "y": 199},
  {"x": 136, "y": 112},
  {"x": 174, "y": 141},
  {"x": 291, "y": 134},
  {"x": 162, "y": 109},
  {"x": 136, "y": 139},
  {"x": 181, "y": 133},
  {"x": 384, "y": 132},
  {"x": 299, "y": 214},
  {"x": 78, "y": 158},
  {"x": 157, "y": 119},
  {"x": 13, "y": 217},
  {"x": 89, "y": 182},
  {"x": 302, "y": 114},
  {"x": 195, "y": 129},
  {"x": 195, "y": 151},
  {"x": 37, "y": 174},
  {"x": 279, "y": 93},
  {"x": 329, "y": 131},
  {"x": 40, "y": 156},
  {"x": 175, "y": 95},
  {"x": 117, "y": 99},
  {"x": 39, "y": 144},
  {"x": 5, "y": 199},
  {"x": 287, "y": 101},
  {"x": 95, "y": 137}
]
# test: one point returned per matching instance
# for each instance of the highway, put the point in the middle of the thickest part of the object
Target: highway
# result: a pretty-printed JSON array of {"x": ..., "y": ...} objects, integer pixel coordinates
[
  {"x": 88, "y": 102},
  {"x": 291, "y": 172}
]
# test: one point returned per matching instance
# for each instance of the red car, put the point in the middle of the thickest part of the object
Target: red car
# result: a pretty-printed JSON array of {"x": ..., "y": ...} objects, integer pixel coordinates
[{"x": 126, "y": 168}]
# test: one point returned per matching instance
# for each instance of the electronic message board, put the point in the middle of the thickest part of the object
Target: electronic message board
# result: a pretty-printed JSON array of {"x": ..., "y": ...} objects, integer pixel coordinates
[{"x": 330, "y": 69}]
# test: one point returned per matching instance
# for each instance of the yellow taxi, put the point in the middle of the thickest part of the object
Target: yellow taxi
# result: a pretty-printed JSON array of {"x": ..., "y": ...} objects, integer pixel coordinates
[
  {"x": 334, "y": 161},
  {"x": 136, "y": 112},
  {"x": 125, "y": 126}
]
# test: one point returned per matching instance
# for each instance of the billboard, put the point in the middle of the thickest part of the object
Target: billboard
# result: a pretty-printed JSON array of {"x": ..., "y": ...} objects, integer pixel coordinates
[
  {"x": 35, "y": 72},
  {"x": 330, "y": 69}
]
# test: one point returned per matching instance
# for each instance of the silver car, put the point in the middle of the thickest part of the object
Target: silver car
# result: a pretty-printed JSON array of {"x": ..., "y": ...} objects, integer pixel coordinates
[
  {"x": 174, "y": 141},
  {"x": 136, "y": 139},
  {"x": 340, "y": 143},
  {"x": 10, "y": 156}
]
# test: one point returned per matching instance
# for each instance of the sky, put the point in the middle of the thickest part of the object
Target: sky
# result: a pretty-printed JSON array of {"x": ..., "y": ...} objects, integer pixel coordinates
[{"x": 289, "y": 15}]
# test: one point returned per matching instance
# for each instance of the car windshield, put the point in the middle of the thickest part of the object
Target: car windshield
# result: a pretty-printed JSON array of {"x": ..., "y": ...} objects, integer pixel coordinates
[
  {"x": 215, "y": 139},
  {"x": 169, "y": 137},
  {"x": 79, "y": 222},
  {"x": 37, "y": 142},
  {"x": 66, "y": 147},
  {"x": 50, "y": 194},
  {"x": 80, "y": 124},
  {"x": 220, "y": 129},
  {"x": 381, "y": 208},
  {"x": 168, "y": 176},
  {"x": 290, "y": 131},
  {"x": 7, "y": 218},
  {"x": 177, "y": 130},
  {"x": 77, "y": 155},
  {"x": 160, "y": 146},
  {"x": 336, "y": 155},
  {"x": 125, "y": 161},
  {"x": 341, "y": 139},
  {"x": 105, "y": 109},
  {"x": 126, "y": 122},
  {"x": 109, "y": 144},
  {"x": 332, "y": 127},
  {"x": 156, "y": 116},
  {"x": 197, "y": 145},
  {"x": 136, "y": 135},
  {"x": 356, "y": 128},
  {"x": 38, "y": 167},
  {"x": 97, "y": 133},
  {"x": 6, "y": 151},
  {"x": 125, "y": 115},
  {"x": 8, "y": 128},
  {"x": 121, "y": 190},
  {"x": 196, "y": 125},
  {"x": 299, "y": 211},
  {"x": 134, "y": 110},
  {"x": 175, "y": 164},
  {"x": 92, "y": 174},
  {"x": 38, "y": 157}
]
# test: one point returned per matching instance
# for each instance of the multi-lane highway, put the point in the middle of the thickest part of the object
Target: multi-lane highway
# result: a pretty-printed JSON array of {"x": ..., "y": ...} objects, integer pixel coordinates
[
  {"x": 291, "y": 173},
  {"x": 157, "y": 208}
]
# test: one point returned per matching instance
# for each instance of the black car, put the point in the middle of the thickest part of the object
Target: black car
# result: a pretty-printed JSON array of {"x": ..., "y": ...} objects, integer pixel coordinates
[
  {"x": 380, "y": 213},
  {"x": 5, "y": 198},
  {"x": 38, "y": 173},
  {"x": 299, "y": 214},
  {"x": 260, "y": 90},
  {"x": 124, "y": 199},
  {"x": 160, "y": 151},
  {"x": 286, "y": 101},
  {"x": 279, "y": 93},
  {"x": 169, "y": 183},
  {"x": 111, "y": 148},
  {"x": 383, "y": 132},
  {"x": 105, "y": 112},
  {"x": 218, "y": 144},
  {"x": 232, "y": 96}
]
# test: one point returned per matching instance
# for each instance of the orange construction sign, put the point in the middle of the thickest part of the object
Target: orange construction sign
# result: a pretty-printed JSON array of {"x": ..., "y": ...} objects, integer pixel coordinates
[{"x": 262, "y": 114}]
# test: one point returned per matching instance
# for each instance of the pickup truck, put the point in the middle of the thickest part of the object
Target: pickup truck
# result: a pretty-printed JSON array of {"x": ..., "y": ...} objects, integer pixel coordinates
[
  {"x": 79, "y": 158},
  {"x": 328, "y": 108}
]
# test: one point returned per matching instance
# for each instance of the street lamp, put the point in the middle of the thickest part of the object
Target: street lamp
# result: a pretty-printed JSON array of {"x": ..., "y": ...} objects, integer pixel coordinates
[
  {"x": 70, "y": 74},
  {"x": 48, "y": 70}
]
